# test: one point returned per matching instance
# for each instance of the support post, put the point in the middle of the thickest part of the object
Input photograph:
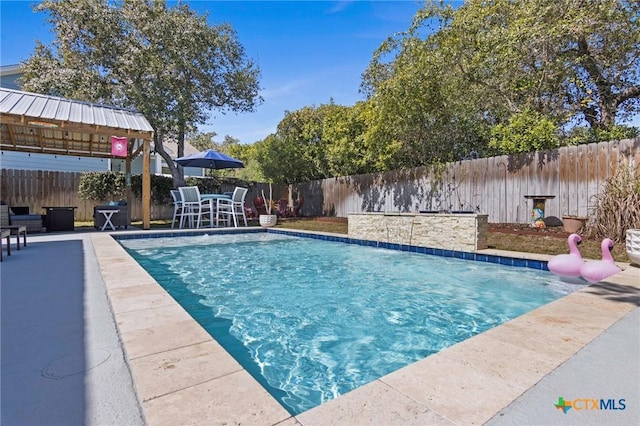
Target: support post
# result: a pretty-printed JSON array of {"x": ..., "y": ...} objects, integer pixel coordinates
[
  {"x": 146, "y": 185},
  {"x": 127, "y": 173}
]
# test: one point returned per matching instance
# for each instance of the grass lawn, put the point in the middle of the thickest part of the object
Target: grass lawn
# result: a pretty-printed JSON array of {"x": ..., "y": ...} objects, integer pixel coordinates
[{"x": 513, "y": 238}]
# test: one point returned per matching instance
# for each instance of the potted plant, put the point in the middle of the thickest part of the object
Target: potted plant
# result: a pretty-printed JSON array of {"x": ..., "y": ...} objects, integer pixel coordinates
[
  {"x": 573, "y": 224},
  {"x": 268, "y": 219}
]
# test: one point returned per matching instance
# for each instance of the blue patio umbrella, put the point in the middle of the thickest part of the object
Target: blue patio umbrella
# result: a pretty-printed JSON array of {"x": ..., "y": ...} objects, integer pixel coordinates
[{"x": 209, "y": 159}]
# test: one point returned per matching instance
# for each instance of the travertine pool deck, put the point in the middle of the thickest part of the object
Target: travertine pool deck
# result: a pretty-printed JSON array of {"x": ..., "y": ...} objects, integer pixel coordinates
[{"x": 182, "y": 376}]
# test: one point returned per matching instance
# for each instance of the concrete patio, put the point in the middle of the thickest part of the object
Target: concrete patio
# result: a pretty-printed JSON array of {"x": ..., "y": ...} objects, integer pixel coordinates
[{"x": 88, "y": 337}]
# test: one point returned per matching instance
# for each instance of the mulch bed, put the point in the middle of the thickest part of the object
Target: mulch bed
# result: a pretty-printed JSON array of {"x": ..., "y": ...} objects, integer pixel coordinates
[{"x": 525, "y": 229}]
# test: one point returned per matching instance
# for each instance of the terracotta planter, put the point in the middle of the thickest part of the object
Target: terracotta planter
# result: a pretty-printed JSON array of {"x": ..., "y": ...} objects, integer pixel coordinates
[
  {"x": 573, "y": 224},
  {"x": 267, "y": 220},
  {"x": 633, "y": 245}
]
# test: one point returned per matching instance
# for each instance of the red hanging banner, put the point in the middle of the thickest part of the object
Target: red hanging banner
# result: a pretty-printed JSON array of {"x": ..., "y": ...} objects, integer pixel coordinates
[{"x": 119, "y": 146}]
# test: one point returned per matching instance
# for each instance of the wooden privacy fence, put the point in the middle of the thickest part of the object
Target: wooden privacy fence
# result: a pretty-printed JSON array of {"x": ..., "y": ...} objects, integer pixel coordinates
[
  {"x": 496, "y": 186},
  {"x": 36, "y": 189}
]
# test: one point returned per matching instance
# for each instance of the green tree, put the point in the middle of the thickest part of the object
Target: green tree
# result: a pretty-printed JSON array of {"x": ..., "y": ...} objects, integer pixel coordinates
[
  {"x": 344, "y": 128},
  {"x": 314, "y": 143},
  {"x": 571, "y": 59},
  {"x": 303, "y": 130},
  {"x": 420, "y": 110},
  {"x": 524, "y": 132},
  {"x": 281, "y": 161},
  {"x": 167, "y": 63},
  {"x": 438, "y": 88},
  {"x": 202, "y": 141},
  {"x": 248, "y": 155},
  {"x": 102, "y": 186}
]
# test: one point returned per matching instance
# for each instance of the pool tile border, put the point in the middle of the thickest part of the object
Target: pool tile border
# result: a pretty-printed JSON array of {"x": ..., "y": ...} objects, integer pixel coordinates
[
  {"x": 478, "y": 257},
  {"x": 424, "y": 392}
]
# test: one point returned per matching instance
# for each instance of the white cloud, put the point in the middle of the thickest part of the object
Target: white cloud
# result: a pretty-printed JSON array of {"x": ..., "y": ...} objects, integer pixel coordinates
[
  {"x": 339, "y": 6},
  {"x": 286, "y": 89}
]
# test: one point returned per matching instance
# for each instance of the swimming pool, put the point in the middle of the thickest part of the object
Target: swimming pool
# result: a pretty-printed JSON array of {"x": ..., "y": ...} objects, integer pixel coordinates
[{"x": 311, "y": 320}]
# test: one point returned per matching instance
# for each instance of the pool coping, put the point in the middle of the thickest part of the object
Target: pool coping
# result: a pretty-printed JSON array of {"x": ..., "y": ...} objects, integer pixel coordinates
[{"x": 183, "y": 376}]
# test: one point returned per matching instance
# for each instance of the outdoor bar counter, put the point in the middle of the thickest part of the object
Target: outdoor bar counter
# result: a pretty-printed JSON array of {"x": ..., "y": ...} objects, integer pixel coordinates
[{"x": 449, "y": 231}]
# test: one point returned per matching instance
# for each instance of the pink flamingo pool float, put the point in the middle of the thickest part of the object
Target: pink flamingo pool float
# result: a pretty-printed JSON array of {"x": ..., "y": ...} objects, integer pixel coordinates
[
  {"x": 568, "y": 265},
  {"x": 598, "y": 270}
]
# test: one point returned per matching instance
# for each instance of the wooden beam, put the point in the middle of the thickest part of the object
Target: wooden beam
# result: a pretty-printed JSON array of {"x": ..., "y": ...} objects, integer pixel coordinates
[
  {"x": 22, "y": 135},
  {"x": 127, "y": 174},
  {"x": 11, "y": 135},
  {"x": 146, "y": 185},
  {"x": 38, "y": 132},
  {"x": 137, "y": 151}
]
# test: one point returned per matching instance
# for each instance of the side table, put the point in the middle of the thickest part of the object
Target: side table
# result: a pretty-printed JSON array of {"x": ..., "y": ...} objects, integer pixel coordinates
[{"x": 108, "y": 214}]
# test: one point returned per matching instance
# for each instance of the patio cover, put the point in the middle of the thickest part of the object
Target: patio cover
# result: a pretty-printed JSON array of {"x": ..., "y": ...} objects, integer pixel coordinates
[{"x": 31, "y": 122}]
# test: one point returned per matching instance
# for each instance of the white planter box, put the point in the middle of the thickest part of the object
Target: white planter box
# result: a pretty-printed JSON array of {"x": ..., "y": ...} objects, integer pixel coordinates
[{"x": 633, "y": 245}]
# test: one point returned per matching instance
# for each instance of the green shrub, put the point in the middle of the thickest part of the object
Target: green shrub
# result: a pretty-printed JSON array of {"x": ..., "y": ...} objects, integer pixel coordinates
[
  {"x": 206, "y": 185},
  {"x": 110, "y": 186},
  {"x": 99, "y": 186},
  {"x": 216, "y": 185},
  {"x": 160, "y": 187}
]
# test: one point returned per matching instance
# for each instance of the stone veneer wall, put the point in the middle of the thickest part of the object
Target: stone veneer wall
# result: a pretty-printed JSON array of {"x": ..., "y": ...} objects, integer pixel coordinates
[{"x": 464, "y": 232}]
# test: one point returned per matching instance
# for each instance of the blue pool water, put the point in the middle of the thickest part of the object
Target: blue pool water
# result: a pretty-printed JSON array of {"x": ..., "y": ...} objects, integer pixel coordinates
[{"x": 312, "y": 319}]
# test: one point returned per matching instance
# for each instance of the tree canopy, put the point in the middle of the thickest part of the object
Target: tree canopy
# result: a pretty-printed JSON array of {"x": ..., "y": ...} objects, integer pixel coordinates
[
  {"x": 488, "y": 77},
  {"x": 316, "y": 142},
  {"x": 166, "y": 62},
  {"x": 486, "y": 62}
]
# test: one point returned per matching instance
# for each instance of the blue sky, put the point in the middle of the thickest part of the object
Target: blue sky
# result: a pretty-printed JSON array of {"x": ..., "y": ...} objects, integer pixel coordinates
[{"x": 308, "y": 51}]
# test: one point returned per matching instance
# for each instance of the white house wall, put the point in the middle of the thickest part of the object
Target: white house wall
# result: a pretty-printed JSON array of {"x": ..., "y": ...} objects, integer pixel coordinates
[
  {"x": 63, "y": 163},
  {"x": 15, "y": 160},
  {"x": 156, "y": 166},
  {"x": 10, "y": 81}
]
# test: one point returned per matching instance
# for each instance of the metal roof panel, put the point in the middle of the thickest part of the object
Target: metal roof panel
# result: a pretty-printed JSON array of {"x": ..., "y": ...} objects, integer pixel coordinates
[
  {"x": 75, "y": 112},
  {"x": 133, "y": 122},
  {"x": 138, "y": 124},
  {"x": 36, "y": 107},
  {"x": 8, "y": 100},
  {"x": 87, "y": 114},
  {"x": 109, "y": 117},
  {"x": 22, "y": 106},
  {"x": 50, "y": 107},
  {"x": 99, "y": 118},
  {"x": 63, "y": 111},
  {"x": 121, "y": 120}
]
